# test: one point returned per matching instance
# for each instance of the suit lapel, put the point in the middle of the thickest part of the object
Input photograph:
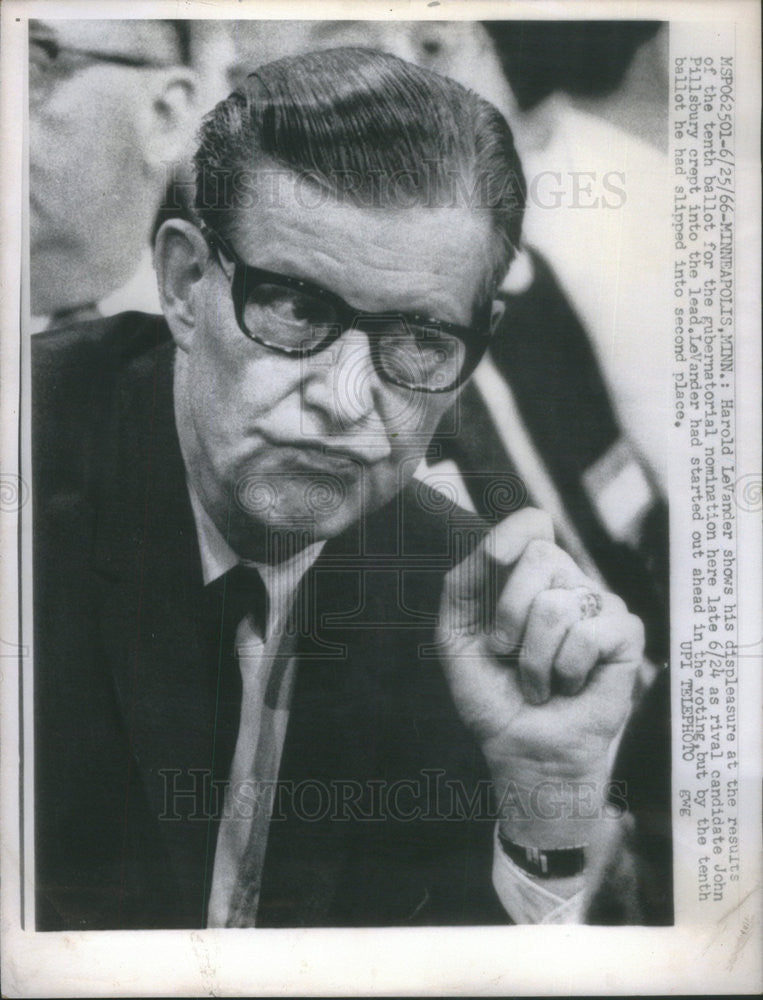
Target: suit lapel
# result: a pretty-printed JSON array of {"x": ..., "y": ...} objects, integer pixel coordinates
[{"x": 153, "y": 628}]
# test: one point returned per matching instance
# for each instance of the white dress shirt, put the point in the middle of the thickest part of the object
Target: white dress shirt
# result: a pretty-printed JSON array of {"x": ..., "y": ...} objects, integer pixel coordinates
[{"x": 268, "y": 668}]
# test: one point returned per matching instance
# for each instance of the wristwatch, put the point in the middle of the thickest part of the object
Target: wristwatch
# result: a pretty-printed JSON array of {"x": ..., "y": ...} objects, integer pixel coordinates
[{"x": 561, "y": 863}]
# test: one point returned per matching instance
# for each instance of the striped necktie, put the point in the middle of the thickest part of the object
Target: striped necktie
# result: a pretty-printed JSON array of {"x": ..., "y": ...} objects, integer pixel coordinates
[{"x": 239, "y": 592}]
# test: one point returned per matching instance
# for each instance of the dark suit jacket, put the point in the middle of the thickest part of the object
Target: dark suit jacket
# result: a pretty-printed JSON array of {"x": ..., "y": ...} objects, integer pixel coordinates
[{"x": 130, "y": 703}]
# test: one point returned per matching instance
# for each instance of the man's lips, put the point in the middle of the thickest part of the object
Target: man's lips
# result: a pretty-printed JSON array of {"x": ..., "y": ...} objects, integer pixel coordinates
[{"x": 331, "y": 456}]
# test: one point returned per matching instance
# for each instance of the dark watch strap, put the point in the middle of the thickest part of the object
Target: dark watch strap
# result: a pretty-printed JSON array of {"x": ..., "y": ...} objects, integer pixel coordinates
[{"x": 545, "y": 864}]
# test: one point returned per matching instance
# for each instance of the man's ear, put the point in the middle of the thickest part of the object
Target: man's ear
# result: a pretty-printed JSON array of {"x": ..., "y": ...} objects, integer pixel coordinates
[
  {"x": 169, "y": 119},
  {"x": 496, "y": 314},
  {"x": 181, "y": 255}
]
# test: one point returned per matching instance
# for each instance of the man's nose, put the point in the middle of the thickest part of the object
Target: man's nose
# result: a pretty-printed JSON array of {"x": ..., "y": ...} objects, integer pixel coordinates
[{"x": 343, "y": 381}]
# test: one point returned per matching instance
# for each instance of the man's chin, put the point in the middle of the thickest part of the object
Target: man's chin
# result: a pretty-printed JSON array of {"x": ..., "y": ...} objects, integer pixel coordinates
[
  {"x": 312, "y": 507},
  {"x": 319, "y": 525},
  {"x": 282, "y": 532}
]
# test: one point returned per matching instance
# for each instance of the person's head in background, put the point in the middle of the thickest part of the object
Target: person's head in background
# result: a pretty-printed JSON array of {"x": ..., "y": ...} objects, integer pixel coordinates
[
  {"x": 616, "y": 70},
  {"x": 458, "y": 49},
  {"x": 111, "y": 105},
  {"x": 513, "y": 64}
]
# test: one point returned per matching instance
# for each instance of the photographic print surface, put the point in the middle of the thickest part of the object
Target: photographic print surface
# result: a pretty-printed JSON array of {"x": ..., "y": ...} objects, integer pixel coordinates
[{"x": 379, "y": 422}]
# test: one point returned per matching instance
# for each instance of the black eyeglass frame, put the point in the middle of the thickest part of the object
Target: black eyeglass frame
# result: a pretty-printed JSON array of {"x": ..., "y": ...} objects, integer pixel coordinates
[
  {"x": 54, "y": 48},
  {"x": 475, "y": 339}
]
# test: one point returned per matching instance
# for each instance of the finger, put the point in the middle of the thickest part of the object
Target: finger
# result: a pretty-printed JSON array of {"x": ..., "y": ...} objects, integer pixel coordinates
[
  {"x": 469, "y": 588},
  {"x": 581, "y": 648},
  {"x": 542, "y": 566},
  {"x": 551, "y": 615},
  {"x": 507, "y": 540},
  {"x": 607, "y": 697}
]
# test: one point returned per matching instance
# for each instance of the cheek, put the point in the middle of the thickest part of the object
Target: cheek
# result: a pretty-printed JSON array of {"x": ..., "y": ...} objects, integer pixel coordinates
[
  {"x": 412, "y": 418},
  {"x": 235, "y": 389}
]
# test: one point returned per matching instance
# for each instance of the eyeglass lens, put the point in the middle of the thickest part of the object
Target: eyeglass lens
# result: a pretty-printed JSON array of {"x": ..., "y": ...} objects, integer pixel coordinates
[{"x": 409, "y": 354}]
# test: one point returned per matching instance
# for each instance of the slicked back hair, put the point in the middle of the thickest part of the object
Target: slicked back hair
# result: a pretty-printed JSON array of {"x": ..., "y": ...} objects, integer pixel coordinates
[{"x": 366, "y": 127}]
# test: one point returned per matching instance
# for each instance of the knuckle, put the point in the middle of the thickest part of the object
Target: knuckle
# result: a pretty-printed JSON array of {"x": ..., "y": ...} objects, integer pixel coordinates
[
  {"x": 631, "y": 675},
  {"x": 626, "y": 677},
  {"x": 569, "y": 667},
  {"x": 637, "y": 631},
  {"x": 539, "y": 551},
  {"x": 580, "y": 651},
  {"x": 614, "y": 603},
  {"x": 548, "y": 609},
  {"x": 585, "y": 634}
]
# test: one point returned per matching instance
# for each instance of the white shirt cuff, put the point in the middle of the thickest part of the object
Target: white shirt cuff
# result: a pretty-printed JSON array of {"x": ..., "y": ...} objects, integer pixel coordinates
[{"x": 529, "y": 900}]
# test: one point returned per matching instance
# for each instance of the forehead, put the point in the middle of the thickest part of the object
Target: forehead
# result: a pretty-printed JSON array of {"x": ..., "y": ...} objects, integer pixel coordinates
[
  {"x": 155, "y": 39},
  {"x": 417, "y": 258}
]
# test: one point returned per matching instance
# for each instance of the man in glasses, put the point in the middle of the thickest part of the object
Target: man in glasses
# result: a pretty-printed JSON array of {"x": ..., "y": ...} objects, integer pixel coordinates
[
  {"x": 110, "y": 109},
  {"x": 278, "y": 682}
]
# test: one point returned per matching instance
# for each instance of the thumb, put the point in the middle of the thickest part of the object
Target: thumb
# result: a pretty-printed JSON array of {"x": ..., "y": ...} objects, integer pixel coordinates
[{"x": 471, "y": 588}]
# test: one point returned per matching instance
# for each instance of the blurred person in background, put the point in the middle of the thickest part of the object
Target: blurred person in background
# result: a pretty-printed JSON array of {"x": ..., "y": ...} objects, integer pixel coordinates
[
  {"x": 589, "y": 107},
  {"x": 111, "y": 104}
]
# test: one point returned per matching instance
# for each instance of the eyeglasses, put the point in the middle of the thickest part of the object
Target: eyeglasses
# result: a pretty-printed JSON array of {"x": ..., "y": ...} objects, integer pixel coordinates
[
  {"x": 298, "y": 318},
  {"x": 50, "y": 62}
]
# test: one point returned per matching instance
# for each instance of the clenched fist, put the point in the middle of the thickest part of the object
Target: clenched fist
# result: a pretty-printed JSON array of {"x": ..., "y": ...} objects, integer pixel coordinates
[{"x": 541, "y": 664}]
